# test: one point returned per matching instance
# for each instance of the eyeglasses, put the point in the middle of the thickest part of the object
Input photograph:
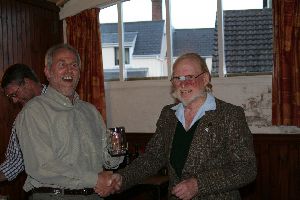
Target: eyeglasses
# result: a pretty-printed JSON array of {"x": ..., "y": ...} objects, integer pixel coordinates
[
  {"x": 176, "y": 80},
  {"x": 63, "y": 64},
  {"x": 14, "y": 94}
]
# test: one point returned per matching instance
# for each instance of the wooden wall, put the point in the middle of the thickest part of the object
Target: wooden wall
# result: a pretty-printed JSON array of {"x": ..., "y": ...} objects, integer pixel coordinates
[
  {"x": 28, "y": 29},
  {"x": 278, "y": 165}
]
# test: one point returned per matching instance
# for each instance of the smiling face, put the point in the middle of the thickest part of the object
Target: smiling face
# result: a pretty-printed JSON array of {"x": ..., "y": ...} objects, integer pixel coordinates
[
  {"x": 17, "y": 94},
  {"x": 63, "y": 75},
  {"x": 20, "y": 93},
  {"x": 187, "y": 91}
]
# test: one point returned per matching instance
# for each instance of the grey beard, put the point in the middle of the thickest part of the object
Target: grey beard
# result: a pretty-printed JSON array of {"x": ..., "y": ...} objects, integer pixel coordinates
[{"x": 186, "y": 103}]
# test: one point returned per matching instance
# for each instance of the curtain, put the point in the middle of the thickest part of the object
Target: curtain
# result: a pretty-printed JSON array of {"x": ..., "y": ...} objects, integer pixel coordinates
[
  {"x": 286, "y": 73},
  {"x": 83, "y": 33}
]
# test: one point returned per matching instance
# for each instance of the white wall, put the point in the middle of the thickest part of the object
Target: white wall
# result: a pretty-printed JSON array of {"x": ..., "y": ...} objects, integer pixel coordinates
[
  {"x": 108, "y": 56},
  {"x": 155, "y": 66},
  {"x": 208, "y": 61},
  {"x": 137, "y": 104}
]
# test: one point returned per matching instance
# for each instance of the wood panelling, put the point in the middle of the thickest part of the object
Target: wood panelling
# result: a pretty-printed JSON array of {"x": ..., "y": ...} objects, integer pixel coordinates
[
  {"x": 278, "y": 165},
  {"x": 28, "y": 29}
]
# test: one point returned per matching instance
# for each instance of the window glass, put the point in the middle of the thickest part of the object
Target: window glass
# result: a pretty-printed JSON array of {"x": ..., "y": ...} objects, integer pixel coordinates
[
  {"x": 109, "y": 41},
  {"x": 117, "y": 56},
  {"x": 247, "y": 38},
  {"x": 194, "y": 28},
  {"x": 144, "y": 40}
]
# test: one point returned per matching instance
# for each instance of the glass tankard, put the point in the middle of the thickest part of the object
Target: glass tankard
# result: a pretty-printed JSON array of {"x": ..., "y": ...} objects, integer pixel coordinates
[{"x": 116, "y": 141}]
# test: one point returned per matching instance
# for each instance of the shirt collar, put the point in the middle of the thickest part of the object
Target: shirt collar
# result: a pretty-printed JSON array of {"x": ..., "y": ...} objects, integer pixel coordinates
[
  {"x": 60, "y": 98},
  {"x": 209, "y": 104}
]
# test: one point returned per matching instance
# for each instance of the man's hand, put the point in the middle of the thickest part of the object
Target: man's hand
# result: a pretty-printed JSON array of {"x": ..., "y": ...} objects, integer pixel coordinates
[
  {"x": 186, "y": 189},
  {"x": 104, "y": 182},
  {"x": 117, "y": 182},
  {"x": 108, "y": 183}
]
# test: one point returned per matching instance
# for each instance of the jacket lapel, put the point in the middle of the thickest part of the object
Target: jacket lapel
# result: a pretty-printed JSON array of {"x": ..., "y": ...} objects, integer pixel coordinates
[{"x": 200, "y": 149}]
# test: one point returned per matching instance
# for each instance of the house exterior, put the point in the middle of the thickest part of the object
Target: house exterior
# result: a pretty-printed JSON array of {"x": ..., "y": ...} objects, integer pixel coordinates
[
  {"x": 248, "y": 45},
  {"x": 145, "y": 47},
  {"x": 248, "y": 42},
  {"x": 194, "y": 40}
]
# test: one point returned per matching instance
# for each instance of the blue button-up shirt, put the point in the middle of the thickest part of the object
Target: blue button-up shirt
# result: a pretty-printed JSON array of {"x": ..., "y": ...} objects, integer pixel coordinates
[{"x": 209, "y": 104}]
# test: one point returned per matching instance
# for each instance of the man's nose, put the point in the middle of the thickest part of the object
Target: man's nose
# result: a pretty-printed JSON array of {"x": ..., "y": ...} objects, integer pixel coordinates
[
  {"x": 69, "y": 67},
  {"x": 182, "y": 84}
]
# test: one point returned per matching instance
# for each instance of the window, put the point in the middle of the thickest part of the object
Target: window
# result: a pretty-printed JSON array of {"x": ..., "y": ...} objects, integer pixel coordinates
[
  {"x": 117, "y": 56},
  {"x": 143, "y": 41},
  {"x": 156, "y": 41},
  {"x": 246, "y": 48}
]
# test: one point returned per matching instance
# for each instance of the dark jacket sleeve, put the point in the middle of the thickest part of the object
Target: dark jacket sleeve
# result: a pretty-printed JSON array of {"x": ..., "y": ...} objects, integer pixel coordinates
[{"x": 152, "y": 160}]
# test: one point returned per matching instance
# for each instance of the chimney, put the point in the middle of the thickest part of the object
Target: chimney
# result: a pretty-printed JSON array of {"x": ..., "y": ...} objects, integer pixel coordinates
[
  {"x": 267, "y": 3},
  {"x": 156, "y": 10}
]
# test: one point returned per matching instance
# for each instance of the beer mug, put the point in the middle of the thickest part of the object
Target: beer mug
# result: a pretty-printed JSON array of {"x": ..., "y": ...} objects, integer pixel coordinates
[{"x": 116, "y": 141}]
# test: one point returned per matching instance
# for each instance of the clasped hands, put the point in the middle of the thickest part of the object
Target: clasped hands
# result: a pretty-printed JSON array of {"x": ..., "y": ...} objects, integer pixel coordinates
[{"x": 108, "y": 183}]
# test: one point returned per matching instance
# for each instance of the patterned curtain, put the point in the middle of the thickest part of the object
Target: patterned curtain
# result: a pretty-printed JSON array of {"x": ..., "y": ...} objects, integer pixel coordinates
[
  {"x": 286, "y": 75},
  {"x": 83, "y": 33}
]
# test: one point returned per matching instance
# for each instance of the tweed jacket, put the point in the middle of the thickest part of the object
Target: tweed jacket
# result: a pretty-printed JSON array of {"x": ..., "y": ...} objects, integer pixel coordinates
[{"x": 221, "y": 156}]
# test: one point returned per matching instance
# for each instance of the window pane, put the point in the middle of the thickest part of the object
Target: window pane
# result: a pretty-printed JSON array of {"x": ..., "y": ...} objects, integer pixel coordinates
[
  {"x": 109, "y": 39},
  {"x": 194, "y": 23},
  {"x": 193, "y": 30},
  {"x": 116, "y": 56},
  {"x": 144, "y": 40},
  {"x": 127, "y": 59},
  {"x": 247, "y": 38}
]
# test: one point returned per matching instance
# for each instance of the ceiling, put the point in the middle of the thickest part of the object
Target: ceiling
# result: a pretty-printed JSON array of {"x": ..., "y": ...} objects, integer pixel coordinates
[{"x": 59, "y": 3}]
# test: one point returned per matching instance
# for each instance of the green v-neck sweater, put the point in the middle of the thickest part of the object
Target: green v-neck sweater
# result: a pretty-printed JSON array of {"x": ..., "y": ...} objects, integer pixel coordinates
[{"x": 180, "y": 146}]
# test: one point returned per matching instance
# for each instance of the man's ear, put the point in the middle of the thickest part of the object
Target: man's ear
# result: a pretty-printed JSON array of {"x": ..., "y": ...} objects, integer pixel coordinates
[
  {"x": 27, "y": 81},
  {"x": 206, "y": 78},
  {"x": 47, "y": 73}
]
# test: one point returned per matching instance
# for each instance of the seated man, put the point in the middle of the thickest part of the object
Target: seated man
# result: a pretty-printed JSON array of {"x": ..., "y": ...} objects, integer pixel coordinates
[
  {"x": 205, "y": 142},
  {"x": 20, "y": 84}
]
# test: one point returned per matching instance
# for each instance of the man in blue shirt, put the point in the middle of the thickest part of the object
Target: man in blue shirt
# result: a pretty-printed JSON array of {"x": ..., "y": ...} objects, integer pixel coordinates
[{"x": 204, "y": 142}]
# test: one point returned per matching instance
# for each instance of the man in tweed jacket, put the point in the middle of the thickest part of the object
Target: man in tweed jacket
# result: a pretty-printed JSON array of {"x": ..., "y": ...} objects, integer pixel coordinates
[{"x": 205, "y": 142}]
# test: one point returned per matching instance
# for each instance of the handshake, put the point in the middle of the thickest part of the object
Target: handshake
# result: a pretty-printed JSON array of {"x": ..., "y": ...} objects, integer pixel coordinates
[{"x": 108, "y": 183}]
